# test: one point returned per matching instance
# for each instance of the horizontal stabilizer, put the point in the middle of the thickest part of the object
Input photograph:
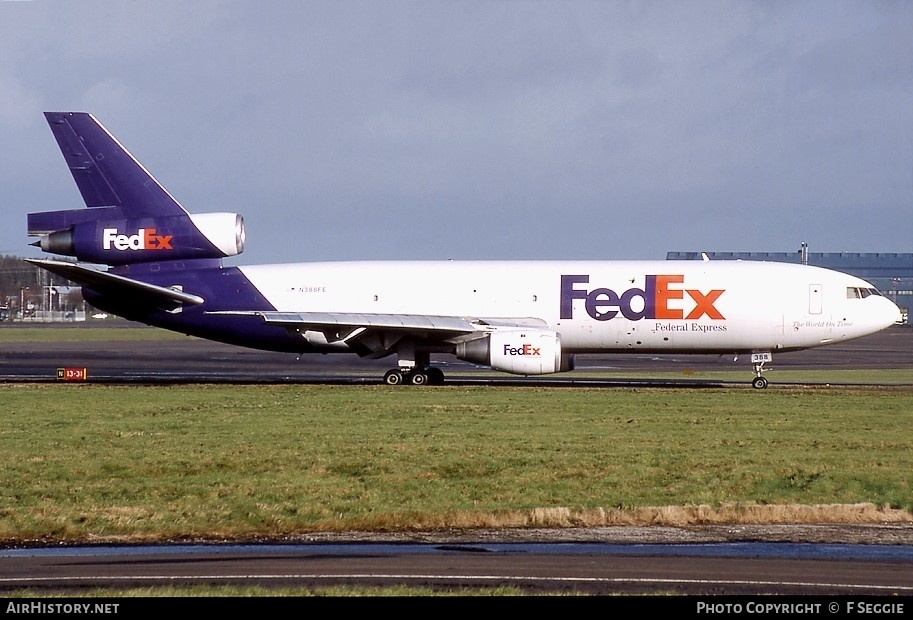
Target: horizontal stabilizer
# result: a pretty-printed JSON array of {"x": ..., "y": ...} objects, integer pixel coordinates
[
  {"x": 109, "y": 283},
  {"x": 47, "y": 222}
]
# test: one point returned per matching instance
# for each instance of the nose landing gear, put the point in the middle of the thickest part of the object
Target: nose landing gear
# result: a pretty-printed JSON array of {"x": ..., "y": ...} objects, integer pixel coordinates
[{"x": 758, "y": 360}]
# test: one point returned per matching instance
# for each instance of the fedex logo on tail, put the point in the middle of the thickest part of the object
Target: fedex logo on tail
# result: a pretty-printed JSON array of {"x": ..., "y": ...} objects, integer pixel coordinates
[
  {"x": 144, "y": 239},
  {"x": 662, "y": 297}
]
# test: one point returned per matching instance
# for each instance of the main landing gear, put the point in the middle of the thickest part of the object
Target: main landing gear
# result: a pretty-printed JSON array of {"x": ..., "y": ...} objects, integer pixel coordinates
[
  {"x": 413, "y": 368},
  {"x": 414, "y": 376}
]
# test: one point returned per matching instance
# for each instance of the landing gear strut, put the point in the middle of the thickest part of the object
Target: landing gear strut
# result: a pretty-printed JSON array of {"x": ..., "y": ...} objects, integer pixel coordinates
[{"x": 758, "y": 360}]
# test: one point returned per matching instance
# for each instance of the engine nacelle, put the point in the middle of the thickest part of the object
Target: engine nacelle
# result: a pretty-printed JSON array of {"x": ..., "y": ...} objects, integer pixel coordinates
[
  {"x": 518, "y": 351},
  {"x": 124, "y": 241}
]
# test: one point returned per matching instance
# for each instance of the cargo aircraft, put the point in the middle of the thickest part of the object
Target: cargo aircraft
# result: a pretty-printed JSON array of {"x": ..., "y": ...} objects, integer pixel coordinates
[{"x": 142, "y": 256}]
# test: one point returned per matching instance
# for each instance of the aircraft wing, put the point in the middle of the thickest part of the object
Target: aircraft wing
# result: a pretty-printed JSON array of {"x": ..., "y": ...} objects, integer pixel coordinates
[
  {"x": 409, "y": 322},
  {"x": 109, "y": 283},
  {"x": 375, "y": 334}
]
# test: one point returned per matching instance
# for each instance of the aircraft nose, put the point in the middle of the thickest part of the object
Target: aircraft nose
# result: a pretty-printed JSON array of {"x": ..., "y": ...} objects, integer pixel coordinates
[{"x": 892, "y": 312}]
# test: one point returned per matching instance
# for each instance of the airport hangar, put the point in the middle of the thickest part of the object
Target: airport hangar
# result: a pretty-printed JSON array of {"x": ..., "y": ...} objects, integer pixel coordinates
[{"x": 891, "y": 273}]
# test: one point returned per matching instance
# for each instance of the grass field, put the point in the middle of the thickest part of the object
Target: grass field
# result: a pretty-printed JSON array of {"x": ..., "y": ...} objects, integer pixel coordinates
[
  {"x": 94, "y": 462},
  {"x": 119, "y": 332}
]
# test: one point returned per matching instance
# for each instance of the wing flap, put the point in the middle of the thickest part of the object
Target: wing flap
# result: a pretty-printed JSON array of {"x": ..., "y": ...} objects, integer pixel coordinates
[{"x": 345, "y": 322}]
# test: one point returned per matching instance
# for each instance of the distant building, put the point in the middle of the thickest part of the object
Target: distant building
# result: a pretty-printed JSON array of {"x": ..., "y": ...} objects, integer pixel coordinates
[{"x": 890, "y": 273}]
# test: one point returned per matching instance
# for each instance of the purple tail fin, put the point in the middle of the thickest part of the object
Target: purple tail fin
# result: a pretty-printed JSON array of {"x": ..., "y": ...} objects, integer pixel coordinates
[
  {"x": 131, "y": 217},
  {"x": 105, "y": 172}
]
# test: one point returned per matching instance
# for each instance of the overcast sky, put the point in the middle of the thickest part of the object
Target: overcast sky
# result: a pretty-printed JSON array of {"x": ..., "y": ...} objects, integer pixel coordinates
[{"x": 481, "y": 129}]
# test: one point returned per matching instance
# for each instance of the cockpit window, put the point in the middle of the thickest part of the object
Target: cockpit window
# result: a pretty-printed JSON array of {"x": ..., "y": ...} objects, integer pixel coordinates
[{"x": 856, "y": 292}]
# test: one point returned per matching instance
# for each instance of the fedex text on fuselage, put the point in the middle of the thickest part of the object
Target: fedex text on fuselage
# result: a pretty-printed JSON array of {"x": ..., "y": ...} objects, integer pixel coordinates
[{"x": 657, "y": 299}]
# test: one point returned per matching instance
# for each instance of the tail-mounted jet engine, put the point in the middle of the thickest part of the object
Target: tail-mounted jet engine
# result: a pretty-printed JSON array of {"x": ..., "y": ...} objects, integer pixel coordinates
[{"x": 138, "y": 240}]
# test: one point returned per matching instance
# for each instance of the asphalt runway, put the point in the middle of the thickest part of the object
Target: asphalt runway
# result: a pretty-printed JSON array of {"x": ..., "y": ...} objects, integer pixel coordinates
[
  {"x": 844, "y": 563},
  {"x": 196, "y": 360},
  {"x": 568, "y": 568}
]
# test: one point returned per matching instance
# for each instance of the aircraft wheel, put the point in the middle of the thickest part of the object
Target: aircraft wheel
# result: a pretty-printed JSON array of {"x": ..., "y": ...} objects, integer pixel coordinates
[
  {"x": 435, "y": 376},
  {"x": 759, "y": 383},
  {"x": 393, "y": 377},
  {"x": 418, "y": 378}
]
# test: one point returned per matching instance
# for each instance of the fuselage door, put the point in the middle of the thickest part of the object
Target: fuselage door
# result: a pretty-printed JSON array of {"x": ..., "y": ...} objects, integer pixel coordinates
[{"x": 814, "y": 299}]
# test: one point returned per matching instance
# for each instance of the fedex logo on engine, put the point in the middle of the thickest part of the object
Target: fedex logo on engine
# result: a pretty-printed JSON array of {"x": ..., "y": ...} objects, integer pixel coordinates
[
  {"x": 144, "y": 239},
  {"x": 525, "y": 349},
  {"x": 660, "y": 298}
]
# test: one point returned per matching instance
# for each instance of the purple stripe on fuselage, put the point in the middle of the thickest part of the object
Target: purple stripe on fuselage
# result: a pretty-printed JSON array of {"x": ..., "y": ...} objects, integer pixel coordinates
[{"x": 233, "y": 291}]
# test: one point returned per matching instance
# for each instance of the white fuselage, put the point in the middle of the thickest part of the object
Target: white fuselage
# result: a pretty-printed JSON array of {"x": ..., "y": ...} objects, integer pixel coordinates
[{"x": 685, "y": 306}]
